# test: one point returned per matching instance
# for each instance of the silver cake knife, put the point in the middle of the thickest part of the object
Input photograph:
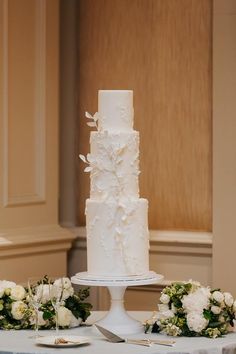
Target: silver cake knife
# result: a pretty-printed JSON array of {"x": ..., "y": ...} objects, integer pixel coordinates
[{"x": 114, "y": 338}]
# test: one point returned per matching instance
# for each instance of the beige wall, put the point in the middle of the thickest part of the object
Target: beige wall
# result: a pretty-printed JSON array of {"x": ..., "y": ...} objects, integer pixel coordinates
[
  {"x": 161, "y": 50},
  {"x": 31, "y": 241}
]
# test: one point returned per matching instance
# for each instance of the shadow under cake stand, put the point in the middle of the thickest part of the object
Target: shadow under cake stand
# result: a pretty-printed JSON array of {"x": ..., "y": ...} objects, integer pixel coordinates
[{"x": 117, "y": 319}]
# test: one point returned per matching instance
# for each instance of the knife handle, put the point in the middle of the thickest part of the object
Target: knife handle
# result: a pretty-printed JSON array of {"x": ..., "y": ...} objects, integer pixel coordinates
[
  {"x": 144, "y": 342},
  {"x": 169, "y": 343}
]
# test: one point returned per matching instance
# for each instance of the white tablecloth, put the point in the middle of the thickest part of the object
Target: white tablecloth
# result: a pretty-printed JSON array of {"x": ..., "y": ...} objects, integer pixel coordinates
[{"x": 20, "y": 342}]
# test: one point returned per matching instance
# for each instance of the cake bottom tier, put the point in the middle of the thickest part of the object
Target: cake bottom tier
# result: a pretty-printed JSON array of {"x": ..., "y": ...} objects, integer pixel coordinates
[{"x": 117, "y": 237}]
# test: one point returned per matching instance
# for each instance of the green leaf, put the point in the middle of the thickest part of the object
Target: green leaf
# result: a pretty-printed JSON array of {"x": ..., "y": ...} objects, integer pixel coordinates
[
  {"x": 207, "y": 314},
  {"x": 47, "y": 315}
]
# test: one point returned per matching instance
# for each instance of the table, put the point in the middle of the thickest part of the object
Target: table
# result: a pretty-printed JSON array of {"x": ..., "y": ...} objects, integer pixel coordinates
[{"x": 19, "y": 342}]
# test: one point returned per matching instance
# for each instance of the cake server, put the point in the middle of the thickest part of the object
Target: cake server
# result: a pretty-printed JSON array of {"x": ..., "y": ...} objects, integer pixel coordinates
[{"x": 114, "y": 338}]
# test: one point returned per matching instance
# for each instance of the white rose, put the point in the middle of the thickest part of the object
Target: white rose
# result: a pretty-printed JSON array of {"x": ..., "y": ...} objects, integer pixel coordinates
[
  {"x": 195, "y": 285},
  {"x": 75, "y": 322},
  {"x": 1, "y": 292},
  {"x": 43, "y": 293},
  {"x": 5, "y": 284},
  {"x": 221, "y": 319},
  {"x": 67, "y": 293},
  {"x": 196, "y": 322},
  {"x": 64, "y": 316},
  {"x": 163, "y": 307},
  {"x": 41, "y": 321},
  {"x": 172, "y": 330},
  {"x": 67, "y": 283},
  {"x": 234, "y": 306},
  {"x": 215, "y": 309},
  {"x": 218, "y": 296},
  {"x": 194, "y": 282},
  {"x": 229, "y": 300},
  {"x": 18, "y": 293},
  {"x": 165, "y": 299},
  {"x": 64, "y": 285},
  {"x": 166, "y": 314},
  {"x": 18, "y": 310}
]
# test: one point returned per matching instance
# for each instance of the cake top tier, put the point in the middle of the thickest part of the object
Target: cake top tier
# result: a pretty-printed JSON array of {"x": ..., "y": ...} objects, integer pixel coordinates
[{"x": 115, "y": 108}]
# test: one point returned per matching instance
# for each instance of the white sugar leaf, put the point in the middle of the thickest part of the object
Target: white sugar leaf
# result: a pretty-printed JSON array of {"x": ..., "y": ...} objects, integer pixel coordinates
[
  {"x": 82, "y": 157},
  {"x": 91, "y": 124},
  {"x": 88, "y": 169},
  {"x": 88, "y": 115},
  {"x": 118, "y": 230},
  {"x": 119, "y": 160},
  {"x": 96, "y": 117}
]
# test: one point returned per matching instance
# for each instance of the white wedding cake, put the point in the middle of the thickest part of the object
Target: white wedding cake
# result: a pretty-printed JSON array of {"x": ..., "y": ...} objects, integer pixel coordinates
[{"x": 116, "y": 218}]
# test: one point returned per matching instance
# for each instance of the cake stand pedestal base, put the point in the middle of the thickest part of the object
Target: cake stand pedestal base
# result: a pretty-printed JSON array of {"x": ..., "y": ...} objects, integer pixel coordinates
[{"x": 117, "y": 319}]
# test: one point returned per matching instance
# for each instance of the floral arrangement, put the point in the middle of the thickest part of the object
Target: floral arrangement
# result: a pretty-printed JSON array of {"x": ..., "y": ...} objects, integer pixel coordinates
[
  {"x": 189, "y": 309},
  {"x": 17, "y": 312}
]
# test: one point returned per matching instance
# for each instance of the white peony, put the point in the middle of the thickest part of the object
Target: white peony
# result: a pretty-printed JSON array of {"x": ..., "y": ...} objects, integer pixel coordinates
[
  {"x": 18, "y": 310},
  {"x": 64, "y": 316},
  {"x": 196, "y": 322},
  {"x": 165, "y": 299},
  {"x": 229, "y": 300},
  {"x": 215, "y": 309},
  {"x": 18, "y": 292},
  {"x": 197, "y": 301},
  {"x": 217, "y": 296}
]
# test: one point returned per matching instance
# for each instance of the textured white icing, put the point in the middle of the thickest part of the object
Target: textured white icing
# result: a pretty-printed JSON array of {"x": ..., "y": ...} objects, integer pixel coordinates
[
  {"x": 115, "y": 109},
  {"x": 117, "y": 237},
  {"x": 115, "y": 165},
  {"x": 116, "y": 218}
]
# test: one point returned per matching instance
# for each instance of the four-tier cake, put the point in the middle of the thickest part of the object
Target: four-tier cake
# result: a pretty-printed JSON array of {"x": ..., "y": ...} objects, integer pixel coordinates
[{"x": 116, "y": 217}]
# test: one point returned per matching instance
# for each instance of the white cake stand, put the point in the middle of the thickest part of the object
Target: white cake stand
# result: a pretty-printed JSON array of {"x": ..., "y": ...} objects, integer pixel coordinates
[{"x": 117, "y": 319}]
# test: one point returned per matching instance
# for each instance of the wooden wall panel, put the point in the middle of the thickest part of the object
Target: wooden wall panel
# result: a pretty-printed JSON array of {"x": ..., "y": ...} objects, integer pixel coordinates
[
  {"x": 28, "y": 113},
  {"x": 162, "y": 50}
]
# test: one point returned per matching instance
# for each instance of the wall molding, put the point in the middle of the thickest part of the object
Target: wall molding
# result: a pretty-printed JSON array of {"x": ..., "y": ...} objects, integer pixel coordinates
[
  {"x": 34, "y": 240},
  {"x": 40, "y": 108}
]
